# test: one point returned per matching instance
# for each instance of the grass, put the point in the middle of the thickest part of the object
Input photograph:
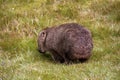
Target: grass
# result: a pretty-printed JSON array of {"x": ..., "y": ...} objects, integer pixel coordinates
[{"x": 21, "y": 21}]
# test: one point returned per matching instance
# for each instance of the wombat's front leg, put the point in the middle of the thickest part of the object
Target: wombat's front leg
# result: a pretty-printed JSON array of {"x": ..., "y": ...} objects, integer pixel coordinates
[
  {"x": 66, "y": 59},
  {"x": 57, "y": 58}
]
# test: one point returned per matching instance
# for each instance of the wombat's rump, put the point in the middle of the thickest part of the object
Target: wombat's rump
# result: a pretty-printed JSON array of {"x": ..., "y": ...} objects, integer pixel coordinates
[{"x": 67, "y": 42}]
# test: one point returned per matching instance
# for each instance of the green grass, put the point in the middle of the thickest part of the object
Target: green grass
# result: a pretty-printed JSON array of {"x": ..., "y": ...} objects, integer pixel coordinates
[{"x": 21, "y": 21}]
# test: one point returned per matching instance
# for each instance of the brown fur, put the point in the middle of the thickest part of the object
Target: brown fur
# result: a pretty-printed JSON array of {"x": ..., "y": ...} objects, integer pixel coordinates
[{"x": 67, "y": 42}]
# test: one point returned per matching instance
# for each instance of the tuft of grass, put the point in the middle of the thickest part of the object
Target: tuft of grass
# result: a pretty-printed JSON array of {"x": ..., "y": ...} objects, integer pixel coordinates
[{"x": 21, "y": 21}]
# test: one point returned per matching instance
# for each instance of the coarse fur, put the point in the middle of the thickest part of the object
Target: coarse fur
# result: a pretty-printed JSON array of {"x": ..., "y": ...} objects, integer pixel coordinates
[{"x": 67, "y": 42}]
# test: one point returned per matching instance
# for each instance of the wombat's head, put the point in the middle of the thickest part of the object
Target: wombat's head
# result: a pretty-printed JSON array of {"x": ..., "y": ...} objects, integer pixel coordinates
[{"x": 41, "y": 41}]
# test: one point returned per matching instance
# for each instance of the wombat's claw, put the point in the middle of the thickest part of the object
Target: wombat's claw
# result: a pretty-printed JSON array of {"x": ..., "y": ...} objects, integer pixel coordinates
[
  {"x": 57, "y": 60},
  {"x": 68, "y": 62}
]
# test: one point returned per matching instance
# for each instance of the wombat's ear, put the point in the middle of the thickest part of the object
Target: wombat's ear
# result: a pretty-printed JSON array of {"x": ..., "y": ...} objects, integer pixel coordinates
[{"x": 43, "y": 35}]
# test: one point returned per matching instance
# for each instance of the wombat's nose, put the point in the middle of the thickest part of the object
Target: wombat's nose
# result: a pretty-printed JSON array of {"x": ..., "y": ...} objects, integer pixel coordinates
[{"x": 38, "y": 50}]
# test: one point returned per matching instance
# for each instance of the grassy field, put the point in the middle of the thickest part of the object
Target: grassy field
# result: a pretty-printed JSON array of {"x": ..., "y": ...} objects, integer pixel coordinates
[{"x": 21, "y": 21}]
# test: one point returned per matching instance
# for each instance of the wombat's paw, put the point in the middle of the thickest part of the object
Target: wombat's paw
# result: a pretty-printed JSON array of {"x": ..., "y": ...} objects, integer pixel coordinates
[
  {"x": 58, "y": 59},
  {"x": 68, "y": 62}
]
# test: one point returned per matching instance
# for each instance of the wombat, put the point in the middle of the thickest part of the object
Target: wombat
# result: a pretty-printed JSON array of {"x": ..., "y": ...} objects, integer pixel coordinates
[{"x": 67, "y": 42}]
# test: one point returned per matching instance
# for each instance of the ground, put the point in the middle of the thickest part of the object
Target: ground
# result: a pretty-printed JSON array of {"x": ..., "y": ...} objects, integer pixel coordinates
[{"x": 21, "y": 21}]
